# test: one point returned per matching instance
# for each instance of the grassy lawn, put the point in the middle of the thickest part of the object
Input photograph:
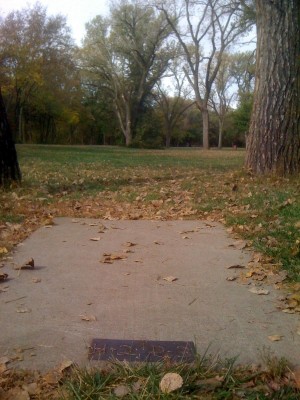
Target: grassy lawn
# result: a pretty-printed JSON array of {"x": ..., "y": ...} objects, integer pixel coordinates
[{"x": 185, "y": 183}]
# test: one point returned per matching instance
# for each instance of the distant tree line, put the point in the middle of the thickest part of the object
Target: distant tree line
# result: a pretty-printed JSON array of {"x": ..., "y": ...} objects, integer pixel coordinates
[{"x": 134, "y": 80}]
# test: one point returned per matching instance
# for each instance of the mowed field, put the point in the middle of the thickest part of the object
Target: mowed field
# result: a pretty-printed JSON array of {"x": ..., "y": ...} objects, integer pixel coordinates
[{"x": 121, "y": 183}]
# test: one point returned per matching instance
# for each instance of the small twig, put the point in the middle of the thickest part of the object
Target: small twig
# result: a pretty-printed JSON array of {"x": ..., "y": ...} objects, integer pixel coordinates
[
  {"x": 19, "y": 298},
  {"x": 193, "y": 301}
]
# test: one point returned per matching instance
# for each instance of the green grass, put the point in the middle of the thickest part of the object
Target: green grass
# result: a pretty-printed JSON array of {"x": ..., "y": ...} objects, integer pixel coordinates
[
  {"x": 210, "y": 183},
  {"x": 206, "y": 379}
]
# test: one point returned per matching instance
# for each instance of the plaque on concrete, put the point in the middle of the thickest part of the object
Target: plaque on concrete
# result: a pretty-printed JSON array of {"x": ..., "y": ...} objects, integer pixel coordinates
[{"x": 142, "y": 350}]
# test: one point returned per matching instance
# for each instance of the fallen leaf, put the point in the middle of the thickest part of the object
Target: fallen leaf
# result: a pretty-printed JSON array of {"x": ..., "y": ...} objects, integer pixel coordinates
[
  {"x": 275, "y": 338},
  {"x": 88, "y": 317},
  {"x": 157, "y": 242},
  {"x": 296, "y": 377},
  {"x": 52, "y": 377},
  {"x": 16, "y": 394},
  {"x": 286, "y": 203},
  {"x": 170, "y": 278},
  {"x": 259, "y": 291},
  {"x": 31, "y": 388},
  {"x": 128, "y": 251},
  {"x": 65, "y": 365},
  {"x": 170, "y": 382},
  {"x": 4, "y": 360},
  {"x": 129, "y": 244},
  {"x": 239, "y": 244},
  {"x": 3, "y": 250},
  {"x": 36, "y": 280},
  {"x": 95, "y": 239},
  {"x": 29, "y": 264},
  {"x": 236, "y": 266},
  {"x": 121, "y": 390},
  {"x": 23, "y": 310},
  {"x": 3, "y": 368},
  {"x": 108, "y": 258},
  {"x": 231, "y": 278},
  {"x": 289, "y": 311},
  {"x": 3, "y": 276}
]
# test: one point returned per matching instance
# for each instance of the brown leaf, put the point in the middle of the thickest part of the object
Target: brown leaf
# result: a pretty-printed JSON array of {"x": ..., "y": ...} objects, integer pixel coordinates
[
  {"x": 108, "y": 258},
  {"x": 65, "y": 365},
  {"x": 52, "y": 377},
  {"x": 121, "y": 391},
  {"x": 170, "y": 382},
  {"x": 23, "y": 310},
  {"x": 296, "y": 377},
  {"x": 16, "y": 394},
  {"x": 170, "y": 278},
  {"x": 236, "y": 266},
  {"x": 29, "y": 264},
  {"x": 3, "y": 368},
  {"x": 3, "y": 276},
  {"x": 239, "y": 244},
  {"x": 4, "y": 360},
  {"x": 275, "y": 338},
  {"x": 289, "y": 311},
  {"x": 88, "y": 317},
  {"x": 31, "y": 388},
  {"x": 231, "y": 278},
  {"x": 129, "y": 244},
  {"x": 3, "y": 250},
  {"x": 259, "y": 291}
]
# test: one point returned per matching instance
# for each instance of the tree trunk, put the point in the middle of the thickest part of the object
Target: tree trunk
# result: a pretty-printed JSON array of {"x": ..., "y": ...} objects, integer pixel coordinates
[
  {"x": 168, "y": 131},
  {"x": 125, "y": 123},
  {"x": 205, "y": 117},
  {"x": 273, "y": 143},
  {"x": 9, "y": 166},
  {"x": 220, "y": 142}
]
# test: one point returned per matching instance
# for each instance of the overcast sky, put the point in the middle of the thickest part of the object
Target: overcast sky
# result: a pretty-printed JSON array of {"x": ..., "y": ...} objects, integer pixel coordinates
[{"x": 78, "y": 12}]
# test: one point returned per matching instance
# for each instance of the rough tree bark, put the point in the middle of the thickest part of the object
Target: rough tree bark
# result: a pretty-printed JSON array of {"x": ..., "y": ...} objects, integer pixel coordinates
[
  {"x": 9, "y": 166},
  {"x": 273, "y": 142}
]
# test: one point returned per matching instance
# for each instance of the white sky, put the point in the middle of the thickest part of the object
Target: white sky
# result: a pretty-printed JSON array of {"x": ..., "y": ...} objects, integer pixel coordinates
[{"x": 78, "y": 12}]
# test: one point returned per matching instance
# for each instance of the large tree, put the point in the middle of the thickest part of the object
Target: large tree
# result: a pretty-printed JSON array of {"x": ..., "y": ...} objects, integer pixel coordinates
[
  {"x": 274, "y": 136},
  {"x": 205, "y": 31},
  {"x": 124, "y": 55},
  {"x": 37, "y": 69}
]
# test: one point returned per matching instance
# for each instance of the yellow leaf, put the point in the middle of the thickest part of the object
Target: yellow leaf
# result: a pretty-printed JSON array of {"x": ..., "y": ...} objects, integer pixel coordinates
[
  {"x": 3, "y": 250},
  {"x": 275, "y": 338},
  {"x": 170, "y": 278},
  {"x": 88, "y": 317}
]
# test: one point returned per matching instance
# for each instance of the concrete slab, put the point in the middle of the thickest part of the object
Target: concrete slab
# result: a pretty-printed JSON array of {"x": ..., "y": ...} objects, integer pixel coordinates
[{"x": 129, "y": 298}]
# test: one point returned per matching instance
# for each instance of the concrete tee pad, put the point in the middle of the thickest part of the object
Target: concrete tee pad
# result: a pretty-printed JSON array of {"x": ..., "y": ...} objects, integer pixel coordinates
[{"x": 134, "y": 280}]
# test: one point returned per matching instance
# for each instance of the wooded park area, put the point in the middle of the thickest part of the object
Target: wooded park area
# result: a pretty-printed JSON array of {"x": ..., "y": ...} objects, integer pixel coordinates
[{"x": 155, "y": 75}]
